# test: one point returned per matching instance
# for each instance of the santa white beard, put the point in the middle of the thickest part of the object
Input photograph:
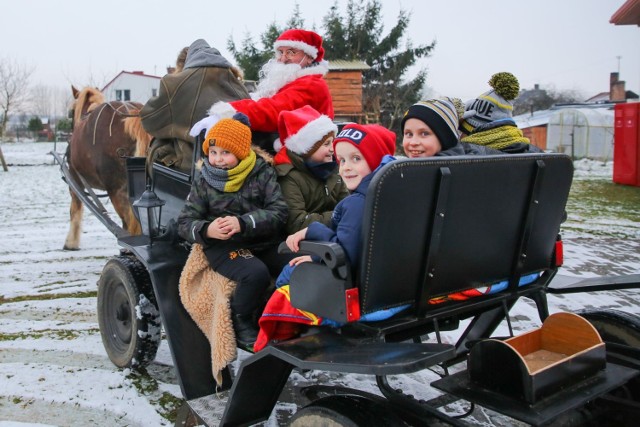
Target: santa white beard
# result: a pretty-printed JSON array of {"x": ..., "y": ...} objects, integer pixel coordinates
[{"x": 273, "y": 76}]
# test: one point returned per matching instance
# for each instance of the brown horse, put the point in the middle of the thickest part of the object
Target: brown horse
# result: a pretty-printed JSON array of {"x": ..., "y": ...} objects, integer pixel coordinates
[{"x": 104, "y": 133}]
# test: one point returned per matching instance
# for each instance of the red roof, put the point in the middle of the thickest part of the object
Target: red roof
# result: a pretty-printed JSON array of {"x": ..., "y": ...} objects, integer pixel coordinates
[{"x": 628, "y": 14}]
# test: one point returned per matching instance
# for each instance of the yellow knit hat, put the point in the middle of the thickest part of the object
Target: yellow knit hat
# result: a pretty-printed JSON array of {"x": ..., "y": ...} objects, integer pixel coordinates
[{"x": 232, "y": 134}]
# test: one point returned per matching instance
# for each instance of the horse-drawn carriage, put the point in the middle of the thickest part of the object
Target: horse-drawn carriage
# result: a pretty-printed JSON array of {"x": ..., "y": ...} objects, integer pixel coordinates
[
  {"x": 432, "y": 228},
  {"x": 477, "y": 221}
]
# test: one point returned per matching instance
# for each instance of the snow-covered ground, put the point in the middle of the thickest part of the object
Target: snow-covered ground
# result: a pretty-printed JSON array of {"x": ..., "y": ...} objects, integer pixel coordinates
[{"x": 53, "y": 367}]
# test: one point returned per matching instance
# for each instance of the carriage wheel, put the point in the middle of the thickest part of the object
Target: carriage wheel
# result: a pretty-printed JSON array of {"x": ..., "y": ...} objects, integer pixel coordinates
[
  {"x": 345, "y": 411},
  {"x": 128, "y": 313},
  {"x": 620, "y": 328}
]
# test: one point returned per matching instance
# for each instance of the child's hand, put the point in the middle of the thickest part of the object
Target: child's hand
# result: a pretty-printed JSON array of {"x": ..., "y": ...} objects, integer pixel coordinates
[
  {"x": 293, "y": 241},
  {"x": 300, "y": 260},
  {"x": 223, "y": 228},
  {"x": 229, "y": 225}
]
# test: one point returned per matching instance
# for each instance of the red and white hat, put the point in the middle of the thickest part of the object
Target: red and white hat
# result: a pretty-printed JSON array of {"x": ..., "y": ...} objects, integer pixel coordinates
[
  {"x": 300, "y": 130},
  {"x": 307, "y": 41},
  {"x": 374, "y": 141}
]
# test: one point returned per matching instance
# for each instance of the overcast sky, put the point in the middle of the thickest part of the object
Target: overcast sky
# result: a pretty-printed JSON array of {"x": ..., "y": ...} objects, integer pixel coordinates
[{"x": 561, "y": 44}]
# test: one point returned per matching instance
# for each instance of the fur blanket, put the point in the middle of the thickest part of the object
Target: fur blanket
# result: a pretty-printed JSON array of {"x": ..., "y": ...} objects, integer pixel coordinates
[{"x": 205, "y": 295}]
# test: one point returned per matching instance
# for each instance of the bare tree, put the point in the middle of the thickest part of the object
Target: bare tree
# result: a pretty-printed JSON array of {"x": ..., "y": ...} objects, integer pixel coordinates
[
  {"x": 14, "y": 82},
  {"x": 41, "y": 100}
]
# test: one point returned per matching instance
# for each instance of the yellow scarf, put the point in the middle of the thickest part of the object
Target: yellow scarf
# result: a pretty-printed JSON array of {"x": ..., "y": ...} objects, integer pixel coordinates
[
  {"x": 498, "y": 137},
  {"x": 229, "y": 181}
]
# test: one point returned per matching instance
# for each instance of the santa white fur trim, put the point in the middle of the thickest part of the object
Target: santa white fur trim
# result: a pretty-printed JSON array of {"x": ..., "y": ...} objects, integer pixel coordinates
[
  {"x": 223, "y": 109},
  {"x": 302, "y": 141},
  {"x": 310, "y": 50}
]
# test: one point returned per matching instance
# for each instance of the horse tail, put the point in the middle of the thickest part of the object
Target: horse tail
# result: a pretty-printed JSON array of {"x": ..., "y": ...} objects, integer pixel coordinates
[{"x": 133, "y": 128}]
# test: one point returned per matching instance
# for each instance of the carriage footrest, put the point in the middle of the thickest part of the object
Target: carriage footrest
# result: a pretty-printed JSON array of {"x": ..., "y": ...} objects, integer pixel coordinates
[
  {"x": 332, "y": 352},
  {"x": 326, "y": 351},
  {"x": 547, "y": 409}
]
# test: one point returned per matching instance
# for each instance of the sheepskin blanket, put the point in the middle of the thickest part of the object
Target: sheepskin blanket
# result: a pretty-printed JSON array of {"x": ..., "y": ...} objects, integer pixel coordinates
[{"x": 205, "y": 295}]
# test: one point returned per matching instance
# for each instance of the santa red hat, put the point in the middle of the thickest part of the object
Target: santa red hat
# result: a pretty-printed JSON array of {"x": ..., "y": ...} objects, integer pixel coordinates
[
  {"x": 374, "y": 141},
  {"x": 301, "y": 130},
  {"x": 307, "y": 41}
]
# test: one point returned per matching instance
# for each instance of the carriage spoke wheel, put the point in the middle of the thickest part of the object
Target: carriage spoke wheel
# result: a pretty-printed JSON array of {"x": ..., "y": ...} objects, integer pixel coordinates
[
  {"x": 345, "y": 411},
  {"x": 128, "y": 316},
  {"x": 618, "y": 328}
]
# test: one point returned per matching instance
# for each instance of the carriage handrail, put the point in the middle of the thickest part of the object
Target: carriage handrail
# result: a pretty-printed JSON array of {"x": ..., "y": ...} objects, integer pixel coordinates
[{"x": 92, "y": 204}]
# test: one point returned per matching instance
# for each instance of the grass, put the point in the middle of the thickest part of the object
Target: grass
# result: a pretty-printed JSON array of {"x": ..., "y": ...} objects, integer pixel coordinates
[
  {"x": 61, "y": 334},
  {"x": 602, "y": 208},
  {"x": 167, "y": 404},
  {"x": 46, "y": 297}
]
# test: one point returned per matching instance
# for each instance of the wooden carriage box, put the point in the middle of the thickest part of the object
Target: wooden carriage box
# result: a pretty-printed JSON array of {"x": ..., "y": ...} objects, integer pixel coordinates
[{"x": 567, "y": 349}]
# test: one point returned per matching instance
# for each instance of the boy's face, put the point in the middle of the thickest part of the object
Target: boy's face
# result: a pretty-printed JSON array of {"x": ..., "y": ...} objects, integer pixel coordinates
[
  {"x": 324, "y": 153},
  {"x": 221, "y": 158},
  {"x": 419, "y": 140},
  {"x": 353, "y": 166}
]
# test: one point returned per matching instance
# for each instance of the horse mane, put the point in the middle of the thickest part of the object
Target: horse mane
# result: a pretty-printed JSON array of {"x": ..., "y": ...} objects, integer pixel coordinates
[
  {"x": 87, "y": 96},
  {"x": 133, "y": 128}
]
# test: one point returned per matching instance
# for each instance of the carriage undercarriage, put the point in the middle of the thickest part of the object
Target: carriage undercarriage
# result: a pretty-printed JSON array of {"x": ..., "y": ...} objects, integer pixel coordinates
[{"x": 138, "y": 295}]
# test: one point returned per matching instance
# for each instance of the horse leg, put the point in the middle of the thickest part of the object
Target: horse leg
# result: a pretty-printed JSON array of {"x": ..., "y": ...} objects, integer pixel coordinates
[
  {"x": 72, "y": 243},
  {"x": 121, "y": 204}
]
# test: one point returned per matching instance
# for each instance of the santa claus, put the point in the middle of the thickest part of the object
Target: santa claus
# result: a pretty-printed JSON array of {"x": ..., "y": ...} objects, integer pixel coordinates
[{"x": 293, "y": 79}]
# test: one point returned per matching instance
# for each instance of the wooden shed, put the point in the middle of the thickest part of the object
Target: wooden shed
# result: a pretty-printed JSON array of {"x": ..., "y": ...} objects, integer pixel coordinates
[{"x": 345, "y": 85}]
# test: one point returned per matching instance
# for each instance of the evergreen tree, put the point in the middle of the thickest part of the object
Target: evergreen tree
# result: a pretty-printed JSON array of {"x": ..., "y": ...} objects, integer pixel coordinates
[
  {"x": 35, "y": 125},
  {"x": 358, "y": 35}
]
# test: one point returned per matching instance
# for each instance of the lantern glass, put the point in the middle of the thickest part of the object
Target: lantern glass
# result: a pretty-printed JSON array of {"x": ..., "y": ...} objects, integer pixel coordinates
[{"x": 149, "y": 208}]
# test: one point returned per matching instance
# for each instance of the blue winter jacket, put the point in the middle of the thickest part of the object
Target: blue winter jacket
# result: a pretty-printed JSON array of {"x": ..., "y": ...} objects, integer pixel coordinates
[{"x": 346, "y": 221}]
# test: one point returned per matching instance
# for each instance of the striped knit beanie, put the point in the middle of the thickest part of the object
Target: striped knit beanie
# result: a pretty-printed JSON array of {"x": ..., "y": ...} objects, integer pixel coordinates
[
  {"x": 441, "y": 115},
  {"x": 234, "y": 135},
  {"x": 495, "y": 104}
]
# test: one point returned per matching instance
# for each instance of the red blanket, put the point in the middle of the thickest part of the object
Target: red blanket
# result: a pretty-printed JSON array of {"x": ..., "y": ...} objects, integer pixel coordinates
[{"x": 280, "y": 320}]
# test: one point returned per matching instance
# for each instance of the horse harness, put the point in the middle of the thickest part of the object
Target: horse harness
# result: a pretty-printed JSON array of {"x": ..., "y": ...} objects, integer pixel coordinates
[{"x": 116, "y": 111}]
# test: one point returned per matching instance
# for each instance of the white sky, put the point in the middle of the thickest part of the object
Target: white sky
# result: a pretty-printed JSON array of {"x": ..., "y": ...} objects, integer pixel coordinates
[{"x": 564, "y": 44}]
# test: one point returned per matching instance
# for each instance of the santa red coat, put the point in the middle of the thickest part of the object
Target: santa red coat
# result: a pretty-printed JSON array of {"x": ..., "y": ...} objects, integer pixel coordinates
[{"x": 308, "y": 89}]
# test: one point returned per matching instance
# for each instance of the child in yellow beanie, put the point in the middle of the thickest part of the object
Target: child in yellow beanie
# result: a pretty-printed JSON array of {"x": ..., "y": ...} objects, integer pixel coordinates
[{"x": 236, "y": 211}]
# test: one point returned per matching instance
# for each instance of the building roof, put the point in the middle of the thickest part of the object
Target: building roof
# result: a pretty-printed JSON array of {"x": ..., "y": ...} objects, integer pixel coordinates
[
  {"x": 135, "y": 73},
  {"x": 542, "y": 117},
  {"x": 602, "y": 96},
  {"x": 627, "y": 14},
  {"x": 341, "y": 64}
]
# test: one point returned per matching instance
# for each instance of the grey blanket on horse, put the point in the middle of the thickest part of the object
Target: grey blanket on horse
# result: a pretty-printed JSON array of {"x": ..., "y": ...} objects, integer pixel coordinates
[{"x": 183, "y": 99}]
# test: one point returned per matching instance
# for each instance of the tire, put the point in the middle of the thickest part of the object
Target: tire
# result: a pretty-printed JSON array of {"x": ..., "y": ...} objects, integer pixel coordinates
[
  {"x": 615, "y": 326},
  {"x": 345, "y": 411},
  {"x": 620, "y": 328},
  {"x": 128, "y": 316}
]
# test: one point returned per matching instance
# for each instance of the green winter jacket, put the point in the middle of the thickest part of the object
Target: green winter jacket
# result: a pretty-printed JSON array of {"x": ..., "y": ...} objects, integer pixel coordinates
[
  {"x": 309, "y": 199},
  {"x": 258, "y": 204}
]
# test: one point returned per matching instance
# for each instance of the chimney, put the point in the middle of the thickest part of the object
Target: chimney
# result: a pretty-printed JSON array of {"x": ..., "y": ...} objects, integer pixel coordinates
[
  {"x": 536, "y": 86},
  {"x": 617, "y": 90}
]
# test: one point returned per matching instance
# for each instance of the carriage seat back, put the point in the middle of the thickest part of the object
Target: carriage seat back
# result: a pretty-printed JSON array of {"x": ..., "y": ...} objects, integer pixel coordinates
[{"x": 440, "y": 225}]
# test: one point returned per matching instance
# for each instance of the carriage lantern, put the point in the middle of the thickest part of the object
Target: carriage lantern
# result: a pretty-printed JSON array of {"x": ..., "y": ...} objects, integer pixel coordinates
[{"x": 149, "y": 208}]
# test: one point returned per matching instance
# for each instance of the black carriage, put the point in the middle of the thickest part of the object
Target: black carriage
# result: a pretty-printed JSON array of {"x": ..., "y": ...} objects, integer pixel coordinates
[{"x": 475, "y": 221}]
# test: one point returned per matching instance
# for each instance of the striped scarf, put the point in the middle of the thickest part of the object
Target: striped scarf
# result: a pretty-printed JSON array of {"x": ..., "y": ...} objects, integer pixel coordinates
[
  {"x": 498, "y": 137},
  {"x": 229, "y": 181}
]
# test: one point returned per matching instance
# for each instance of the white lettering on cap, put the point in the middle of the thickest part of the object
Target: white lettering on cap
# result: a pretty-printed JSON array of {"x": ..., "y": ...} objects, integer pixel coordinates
[{"x": 353, "y": 135}]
